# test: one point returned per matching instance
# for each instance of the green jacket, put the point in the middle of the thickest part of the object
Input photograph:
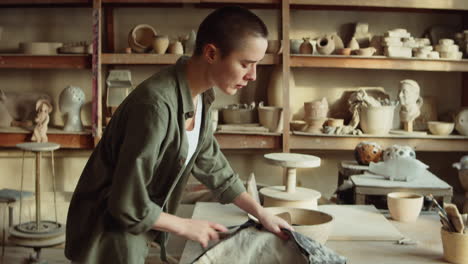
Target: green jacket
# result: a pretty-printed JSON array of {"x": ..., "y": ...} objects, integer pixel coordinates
[{"x": 138, "y": 170}]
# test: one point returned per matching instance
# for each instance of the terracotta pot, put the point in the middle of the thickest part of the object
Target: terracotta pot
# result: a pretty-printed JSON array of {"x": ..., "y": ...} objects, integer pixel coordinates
[
  {"x": 455, "y": 246},
  {"x": 160, "y": 44},
  {"x": 315, "y": 110},
  {"x": 403, "y": 206},
  {"x": 298, "y": 125},
  {"x": 334, "y": 122},
  {"x": 344, "y": 51},
  {"x": 376, "y": 120},
  {"x": 325, "y": 45}
]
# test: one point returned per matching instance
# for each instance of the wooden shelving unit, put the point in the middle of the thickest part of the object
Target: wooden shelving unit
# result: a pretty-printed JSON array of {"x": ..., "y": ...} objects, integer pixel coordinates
[
  {"x": 137, "y": 59},
  {"x": 19, "y": 61},
  {"x": 427, "y": 143},
  {"x": 413, "y": 4},
  {"x": 248, "y": 141},
  {"x": 45, "y": 3},
  {"x": 66, "y": 140},
  {"x": 379, "y": 63}
]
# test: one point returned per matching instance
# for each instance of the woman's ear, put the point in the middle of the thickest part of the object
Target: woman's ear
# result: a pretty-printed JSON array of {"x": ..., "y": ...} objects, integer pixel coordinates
[{"x": 210, "y": 53}]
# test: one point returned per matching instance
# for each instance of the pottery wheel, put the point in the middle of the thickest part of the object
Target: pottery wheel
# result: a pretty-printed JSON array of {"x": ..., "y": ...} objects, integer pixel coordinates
[
  {"x": 301, "y": 194},
  {"x": 293, "y": 160}
]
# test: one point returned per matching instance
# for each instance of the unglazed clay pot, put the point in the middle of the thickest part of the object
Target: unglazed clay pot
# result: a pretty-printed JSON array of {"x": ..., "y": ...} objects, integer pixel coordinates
[
  {"x": 366, "y": 152},
  {"x": 461, "y": 122},
  {"x": 141, "y": 37},
  {"x": 160, "y": 44},
  {"x": 269, "y": 117},
  {"x": 306, "y": 47},
  {"x": 326, "y": 45},
  {"x": 455, "y": 246},
  {"x": 353, "y": 44},
  {"x": 176, "y": 48},
  {"x": 377, "y": 120}
]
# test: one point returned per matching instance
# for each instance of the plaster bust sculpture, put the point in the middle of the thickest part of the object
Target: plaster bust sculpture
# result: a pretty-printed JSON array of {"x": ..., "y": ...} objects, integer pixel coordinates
[
  {"x": 410, "y": 100},
  {"x": 70, "y": 102},
  {"x": 43, "y": 109}
]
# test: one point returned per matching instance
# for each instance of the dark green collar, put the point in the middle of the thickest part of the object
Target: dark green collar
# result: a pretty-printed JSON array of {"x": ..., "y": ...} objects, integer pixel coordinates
[{"x": 187, "y": 103}]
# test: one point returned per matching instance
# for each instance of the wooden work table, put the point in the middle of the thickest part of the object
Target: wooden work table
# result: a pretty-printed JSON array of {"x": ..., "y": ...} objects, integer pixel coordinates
[{"x": 426, "y": 231}]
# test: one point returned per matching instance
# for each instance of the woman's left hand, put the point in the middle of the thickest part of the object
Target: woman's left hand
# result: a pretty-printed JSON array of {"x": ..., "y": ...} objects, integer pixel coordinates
[{"x": 274, "y": 224}]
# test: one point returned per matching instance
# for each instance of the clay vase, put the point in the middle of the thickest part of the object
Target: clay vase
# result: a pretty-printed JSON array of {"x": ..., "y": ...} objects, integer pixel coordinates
[
  {"x": 176, "y": 48},
  {"x": 353, "y": 44},
  {"x": 160, "y": 44},
  {"x": 295, "y": 45},
  {"x": 462, "y": 167},
  {"x": 306, "y": 47},
  {"x": 461, "y": 122},
  {"x": 315, "y": 114},
  {"x": 325, "y": 45}
]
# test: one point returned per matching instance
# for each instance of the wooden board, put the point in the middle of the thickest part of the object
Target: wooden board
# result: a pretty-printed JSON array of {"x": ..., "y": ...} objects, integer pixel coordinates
[{"x": 359, "y": 222}]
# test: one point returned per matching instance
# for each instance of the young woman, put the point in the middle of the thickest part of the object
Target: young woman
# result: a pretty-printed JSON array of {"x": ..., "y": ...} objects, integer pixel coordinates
[{"x": 130, "y": 188}]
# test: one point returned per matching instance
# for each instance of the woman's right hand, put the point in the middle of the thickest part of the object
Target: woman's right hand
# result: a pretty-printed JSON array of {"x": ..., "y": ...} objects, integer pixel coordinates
[{"x": 200, "y": 231}]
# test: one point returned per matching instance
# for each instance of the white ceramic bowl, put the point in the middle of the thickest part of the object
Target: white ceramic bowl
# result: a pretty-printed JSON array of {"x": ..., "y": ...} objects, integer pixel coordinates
[
  {"x": 404, "y": 206},
  {"x": 440, "y": 128},
  {"x": 311, "y": 223}
]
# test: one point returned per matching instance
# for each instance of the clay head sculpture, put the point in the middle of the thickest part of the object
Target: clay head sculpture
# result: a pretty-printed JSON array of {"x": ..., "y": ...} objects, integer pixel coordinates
[
  {"x": 43, "y": 109},
  {"x": 410, "y": 100},
  {"x": 70, "y": 102}
]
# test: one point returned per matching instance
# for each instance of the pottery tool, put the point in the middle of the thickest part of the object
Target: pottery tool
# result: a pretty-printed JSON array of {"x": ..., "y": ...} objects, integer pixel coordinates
[
  {"x": 455, "y": 217},
  {"x": 442, "y": 213}
]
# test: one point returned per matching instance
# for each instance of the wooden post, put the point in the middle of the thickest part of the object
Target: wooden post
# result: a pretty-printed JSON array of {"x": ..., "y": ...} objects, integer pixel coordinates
[
  {"x": 285, "y": 18},
  {"x": 38, "y": 190},
  {"x": 97, "y": 83}
]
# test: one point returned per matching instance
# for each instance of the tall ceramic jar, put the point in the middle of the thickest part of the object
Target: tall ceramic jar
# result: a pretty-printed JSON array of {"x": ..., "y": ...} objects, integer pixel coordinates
[
  {"x": 160, "y": 44},
  {"x": 315, "y": 114}
]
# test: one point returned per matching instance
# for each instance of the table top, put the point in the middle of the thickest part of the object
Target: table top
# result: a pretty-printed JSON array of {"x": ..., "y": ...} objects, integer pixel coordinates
[
  {"x": 426, "y": 180},
  {"x": 293, "y": 160},
  {"x": 426, "y": 231},
  {"x": 38, "y": 147}
]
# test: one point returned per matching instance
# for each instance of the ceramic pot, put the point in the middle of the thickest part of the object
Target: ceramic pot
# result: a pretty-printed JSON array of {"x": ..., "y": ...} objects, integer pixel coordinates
[
  {"x": 269, "y": 117},
  {"x": 365, "y": 52},
  {"x": 344, "y": 51},
  {"x": 316, "y": 110},
  {"x": 275, "y": 87},
  {"x": 376, "y": 120},
  {"x": 306, "y": 47},
  {"x": 40, "y": 48},
  {"x": 160, "y": 44},
  {"x": 455, "y": 246},
  {"x": 366, "y": 152},
  {"x": 298, "y": 125},
  {"x": 141, "y": 37},
  {"x": 326, "y": 45},
  {"x": 176, "y": 48},
  {"x": 403, "y": 206},
  {"x": 334, "y": 122},
  {"x": 189, "y": 42},
  {"x": 398, "y": 151},
  {"x": 239, "y": 116},
  {"x": 274, "y": 47},
  {"x": 461, "y": 122}
]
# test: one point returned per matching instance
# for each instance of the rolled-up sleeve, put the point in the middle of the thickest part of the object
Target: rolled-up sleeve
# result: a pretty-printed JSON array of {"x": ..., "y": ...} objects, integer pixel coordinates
[
  {"x": 212, "y": 169},
  {"x": 129, "y": 202}
]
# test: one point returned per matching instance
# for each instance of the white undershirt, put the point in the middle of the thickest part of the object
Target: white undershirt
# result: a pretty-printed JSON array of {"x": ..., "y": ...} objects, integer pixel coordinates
[{"x": 194, "y": 134}]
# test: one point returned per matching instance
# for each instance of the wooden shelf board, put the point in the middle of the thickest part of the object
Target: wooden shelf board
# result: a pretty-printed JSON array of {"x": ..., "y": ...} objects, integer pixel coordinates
[
  {"x": 248, "y": 141},
  {"x": 150, "y": 1},
  {"x": 22, "y": 61},
  {"x": 147, "y": 58},
  {"x": 242, "y": 1},
  {"x": 378, "y": 62},
  {"x": 413, "y": 4},
  {"x": 44, "y": 2},
  {"x": 427, "y": 143}
]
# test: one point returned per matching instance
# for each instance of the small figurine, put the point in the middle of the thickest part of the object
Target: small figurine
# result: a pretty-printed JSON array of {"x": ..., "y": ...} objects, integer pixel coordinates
[
  {"x": 411, "y": 103},
  {"x": 43, "y": 109}
]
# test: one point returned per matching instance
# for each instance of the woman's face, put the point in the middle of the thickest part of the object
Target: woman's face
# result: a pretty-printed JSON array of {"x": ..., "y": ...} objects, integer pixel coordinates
[{"x": 234, "y": 71}]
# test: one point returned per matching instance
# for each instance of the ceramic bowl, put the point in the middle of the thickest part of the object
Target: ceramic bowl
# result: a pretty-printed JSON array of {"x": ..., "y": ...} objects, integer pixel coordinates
[
  {"x": 343, "y": 51},
  {"x": 298, "y": 125},
  {"x": 269, "y": 117},
  {"x": 440, "y": 128},
  {"x": 404, "y": 206},
  {"x": 311, "y": 223},
  {"x": 40, "y": 48},
  {"x": 141, "y": 37}
]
